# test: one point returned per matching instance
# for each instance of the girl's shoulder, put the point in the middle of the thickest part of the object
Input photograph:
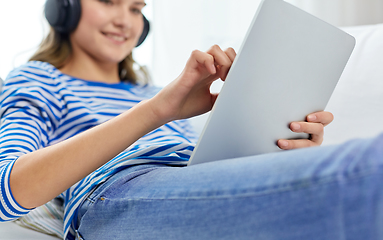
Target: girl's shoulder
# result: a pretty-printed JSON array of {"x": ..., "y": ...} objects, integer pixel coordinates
[
  {"x": 33, "y": 73},
  {"x": 33, "y": 67}
]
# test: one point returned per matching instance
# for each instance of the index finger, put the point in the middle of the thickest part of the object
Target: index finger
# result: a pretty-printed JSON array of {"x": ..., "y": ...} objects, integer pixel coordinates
[
  {"x": 230, "y": 52},
  {"x": 320, "y": 117},
  {"x": 221, "y": 59}
]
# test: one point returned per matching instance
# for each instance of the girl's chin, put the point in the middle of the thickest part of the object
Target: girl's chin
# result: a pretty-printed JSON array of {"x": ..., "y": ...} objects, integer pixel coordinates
[
  {"x": 114, "y": 59},
  {"x": 119, "y": 57}
]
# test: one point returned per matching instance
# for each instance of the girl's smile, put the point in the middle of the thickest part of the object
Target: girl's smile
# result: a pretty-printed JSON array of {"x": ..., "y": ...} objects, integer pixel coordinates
[{"x": 117, "y": 38}]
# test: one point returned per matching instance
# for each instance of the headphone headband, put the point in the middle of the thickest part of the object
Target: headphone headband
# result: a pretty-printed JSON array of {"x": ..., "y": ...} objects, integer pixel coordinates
[{"x": 64, "y": 16}]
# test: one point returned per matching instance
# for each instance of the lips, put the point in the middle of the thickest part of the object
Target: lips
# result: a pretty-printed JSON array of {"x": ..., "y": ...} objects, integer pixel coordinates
[{"x": 115, "y": 36}]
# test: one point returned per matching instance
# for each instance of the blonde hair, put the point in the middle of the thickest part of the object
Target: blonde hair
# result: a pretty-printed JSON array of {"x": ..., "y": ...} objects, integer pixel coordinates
[{"x": 56, "y": 50}]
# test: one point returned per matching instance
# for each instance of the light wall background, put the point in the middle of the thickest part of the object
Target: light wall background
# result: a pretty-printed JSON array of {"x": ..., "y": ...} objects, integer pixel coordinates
[
  {"x": 344, "y": 12},
  {"x": 21, "y": 30},
  {"x": 178, "y": 27},
  {"x": 182, "y": 26}
]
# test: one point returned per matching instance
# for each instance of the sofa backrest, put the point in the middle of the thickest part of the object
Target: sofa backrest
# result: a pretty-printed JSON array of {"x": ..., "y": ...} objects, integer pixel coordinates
[{"x": 357, "y": 102}]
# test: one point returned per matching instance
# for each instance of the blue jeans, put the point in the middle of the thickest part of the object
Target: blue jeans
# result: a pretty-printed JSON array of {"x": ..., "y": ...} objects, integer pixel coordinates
[{"x": 332, "y": 192}]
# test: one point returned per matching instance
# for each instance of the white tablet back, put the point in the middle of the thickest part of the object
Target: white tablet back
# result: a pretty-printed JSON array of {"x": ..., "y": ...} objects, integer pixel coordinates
[{"x": 287, "y": 67}]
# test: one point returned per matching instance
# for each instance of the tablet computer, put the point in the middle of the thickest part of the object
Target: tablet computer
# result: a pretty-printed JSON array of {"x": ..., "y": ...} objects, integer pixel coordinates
[{"x": 287, "y": 67}]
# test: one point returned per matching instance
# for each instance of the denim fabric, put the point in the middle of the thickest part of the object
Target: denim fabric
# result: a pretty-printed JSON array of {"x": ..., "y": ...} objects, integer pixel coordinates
[{"x": 331, "y": 192}]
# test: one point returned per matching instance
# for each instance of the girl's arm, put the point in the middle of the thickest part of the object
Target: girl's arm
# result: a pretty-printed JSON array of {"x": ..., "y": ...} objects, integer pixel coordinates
[{"x": 39, "y": 176}]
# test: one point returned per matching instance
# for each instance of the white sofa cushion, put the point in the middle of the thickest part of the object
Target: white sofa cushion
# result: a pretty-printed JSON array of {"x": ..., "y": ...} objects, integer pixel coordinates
[{"x": 357, "y": 102}]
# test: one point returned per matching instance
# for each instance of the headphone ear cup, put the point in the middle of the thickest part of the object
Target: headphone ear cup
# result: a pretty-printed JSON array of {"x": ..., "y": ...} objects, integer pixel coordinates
[
  {"x": 54, "y": 13},
  {"x": 145, "y": 32},
  {"x": 74, "y": 15},
  {"x": 63, "y": 15}
]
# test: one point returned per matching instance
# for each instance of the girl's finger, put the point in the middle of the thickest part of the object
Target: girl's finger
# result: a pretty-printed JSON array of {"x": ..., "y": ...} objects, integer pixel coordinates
[
  {"x": 221, "y": 59},
  {"x": 294, "y": 144},
  {"x": 322, "y": 117},
  {"x": 198, "y": 58},
  {"x": 230, "y": 52},
  {"x": 316, "y": 130},
  {"x": 307, "y": 127}
]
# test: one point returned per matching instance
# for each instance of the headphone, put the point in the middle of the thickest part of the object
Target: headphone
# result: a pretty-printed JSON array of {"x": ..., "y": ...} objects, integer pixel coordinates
[{"x": 64, "y": 16}]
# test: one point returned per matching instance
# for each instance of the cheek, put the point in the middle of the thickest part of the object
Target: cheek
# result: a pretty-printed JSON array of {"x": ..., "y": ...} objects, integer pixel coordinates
[
  {"x": 93, "y": 17},
  {"x": 88, "y": 29}
]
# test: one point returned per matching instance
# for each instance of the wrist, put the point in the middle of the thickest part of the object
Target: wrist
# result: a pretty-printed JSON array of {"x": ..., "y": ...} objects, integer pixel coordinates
[{"x": 150, "y": 114}]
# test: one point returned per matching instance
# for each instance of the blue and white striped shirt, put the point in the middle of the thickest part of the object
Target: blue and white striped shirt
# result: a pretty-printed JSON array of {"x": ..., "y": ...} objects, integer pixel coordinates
[{"x": 40, "y": 106}]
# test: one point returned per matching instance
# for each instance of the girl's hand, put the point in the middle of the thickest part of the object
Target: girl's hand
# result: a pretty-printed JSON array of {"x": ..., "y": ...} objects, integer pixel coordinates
[
  {"x": 314, "y": 126},
  {"x": 189, "y": 95}
]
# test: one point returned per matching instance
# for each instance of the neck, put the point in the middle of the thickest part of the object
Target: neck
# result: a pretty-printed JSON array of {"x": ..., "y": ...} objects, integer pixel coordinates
[{"x": 90, "y": 69}]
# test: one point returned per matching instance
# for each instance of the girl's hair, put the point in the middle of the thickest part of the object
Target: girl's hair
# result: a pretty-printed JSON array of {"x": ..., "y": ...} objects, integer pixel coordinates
[{"x": 56, "y": 50}]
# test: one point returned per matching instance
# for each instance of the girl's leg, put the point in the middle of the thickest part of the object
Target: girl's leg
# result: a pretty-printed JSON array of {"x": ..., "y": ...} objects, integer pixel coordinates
[{"x": 329, "y": 192}]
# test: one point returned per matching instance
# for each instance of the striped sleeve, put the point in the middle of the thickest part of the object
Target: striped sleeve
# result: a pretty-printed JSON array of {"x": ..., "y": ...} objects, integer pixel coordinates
[
  {"x": 9, "y": 208},
  {"x": 29, "y": 113}
]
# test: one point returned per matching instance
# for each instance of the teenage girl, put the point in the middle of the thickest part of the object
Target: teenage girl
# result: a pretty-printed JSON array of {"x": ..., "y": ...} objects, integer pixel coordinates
[{"x": 76, "y": 123}]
